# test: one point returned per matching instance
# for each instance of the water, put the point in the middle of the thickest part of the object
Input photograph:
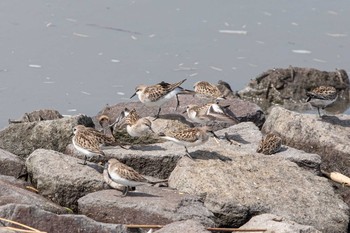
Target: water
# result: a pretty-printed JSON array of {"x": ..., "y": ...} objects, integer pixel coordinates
[{"x": 78, "y": 56}]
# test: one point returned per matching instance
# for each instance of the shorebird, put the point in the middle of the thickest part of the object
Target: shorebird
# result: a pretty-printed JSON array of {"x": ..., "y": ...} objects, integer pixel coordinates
[
  {"x": 89, "y": 141},
  {"x": 207, "y": 90},
  {"x": 321, "y": 97},
  {"x": 189, "y": 137},
  {"x": 135, "y": 125},
  {"x": 270, "y": 144},
  {"x": 209, "y": 112},
  {"x": 159, "y": 94},
  {"x": 126, "y": 176}
]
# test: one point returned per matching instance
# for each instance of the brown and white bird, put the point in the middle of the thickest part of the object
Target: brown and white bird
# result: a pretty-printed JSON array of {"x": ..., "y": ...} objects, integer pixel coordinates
[
  {"x": 89, "y": 141},
  {"x": 208, "y": 113},
  {"x": 321, "y": 97},
  {"x": 207, "y": 90},
  {"x": 189, "y": 137},
  {"x": 135, "y": 125},
  {"x": 270, "y": 144},
  {"x": 157, "y": 95},
  {"x": 126, "y": 176}
]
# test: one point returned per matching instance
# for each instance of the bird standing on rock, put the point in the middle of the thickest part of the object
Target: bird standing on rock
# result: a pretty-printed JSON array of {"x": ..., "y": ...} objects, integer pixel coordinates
[
  {"x": 159, "y": 94},
  {"x": 321, "y": 97}
]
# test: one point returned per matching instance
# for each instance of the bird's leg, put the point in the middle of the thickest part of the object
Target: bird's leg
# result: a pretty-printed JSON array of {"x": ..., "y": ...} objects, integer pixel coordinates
[
  {"x": 157, "y": 116},
  {"x": 125, "y": 191},
  {"x": 177, "y": 102},
  {"x": 187, "y": 153},
  {"x": 84, "y": 163},
  {"x": 227, "y": 138},
  {"x": 215, "y": 137},
  {"x": 318, "y": 109}
]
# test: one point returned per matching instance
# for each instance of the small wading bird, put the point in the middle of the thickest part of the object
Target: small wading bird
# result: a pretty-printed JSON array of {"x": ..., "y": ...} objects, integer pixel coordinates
[
  {"x": 270, "y": 144},
  {"x": 189, "y": 137},
  {"x": 209, "y": 112},
  {"x": 89, "y": 141},
  {"x": 135, "y": 125},
  {"x": 126, "y": 176},
  {"x": 207, "y": 90},
  {"x": 158, "y": 94},
  {"x": 321, "y": 97}
]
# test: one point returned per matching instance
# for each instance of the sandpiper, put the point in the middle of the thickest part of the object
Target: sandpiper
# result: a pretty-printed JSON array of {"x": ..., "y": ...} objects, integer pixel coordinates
[
  {"x": 189, "y": 137},
  {"x": 209, "y": 112},
  {"x": 159, "y": 94},
  {"x": 270, "y": 144},
  {"x": 135, "y": 125},
  {"x": 321, "y": 97},
  {"x": 207, "y": 90},
  {"x": 126, "y": 176},
  {"x": 89, "y": 141}
]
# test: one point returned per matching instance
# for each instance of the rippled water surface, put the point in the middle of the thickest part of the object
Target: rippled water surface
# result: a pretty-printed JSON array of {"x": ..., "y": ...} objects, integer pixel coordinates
[{"x": 78, "y": 56}]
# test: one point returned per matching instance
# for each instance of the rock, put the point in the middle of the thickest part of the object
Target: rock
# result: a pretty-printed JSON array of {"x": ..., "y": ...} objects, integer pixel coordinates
[
  {"x": 22, "y": 139},
  {"x": 237, "y": 182},
  {"x": 273, "y": 223},
  {"x": 244, "y": 110},
  {"x": 48, "y": 222},
  {"x": 152, "y": 160},
  {"x": 288, "y": 87},
  {"x": 14, "y": 191},
  {"x": 147, "y": 205},
  {"x": 10, "y": 164},
  {"x": 60, "y": 178},
  {"x": 38, "y": 115},
  {"x": 188, "y": 226},
  {"x": 327, "y": 136}
]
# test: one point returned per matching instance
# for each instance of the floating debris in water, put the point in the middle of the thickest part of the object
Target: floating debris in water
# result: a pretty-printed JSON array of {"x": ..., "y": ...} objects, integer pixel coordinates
[
  {"x": 134, "y": 37},
  {"x": 34, "y": 66},
  {"x": 120, "y": 93},
  {"x": 238, "y": 32},
  {"x": 301, "y": 51},
  {"x": 115, "y": 60},
  {"x": 80, "y": 35},
  {"x": 336, "y": 35},
  {"x": 72, "y": 110},
  {"x": 267, "y": 13},
  {"x": 319, "y": 60},
  {"x": 71, "y": 20},
  {"x": 192, "y": 75},
  {"x": 216, "y": 68},
  {"x": 294, "y": 24},
  {"x": 152, "y": 35},
  {"x": 85, "y": 93}
]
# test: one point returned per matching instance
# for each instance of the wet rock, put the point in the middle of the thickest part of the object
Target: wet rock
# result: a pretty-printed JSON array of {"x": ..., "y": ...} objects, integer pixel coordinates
[
  {"x": 188, "y": 226},
  {"x": 53, "y": 223},
  {"x": 237, "y": 183},
  {"x": 61, "y": 179},
  {"x": 14, "y": 191},
  {"x": 146, "y": 205},
  {"x": 273, "y": 223},
  {"x": 39, "y": 115},
  {"x": 288, "y": 87},
  {"x": 10, "y": 164},
  {"x": 22, "y": 139},
  {"x": 244, "y": 110}
]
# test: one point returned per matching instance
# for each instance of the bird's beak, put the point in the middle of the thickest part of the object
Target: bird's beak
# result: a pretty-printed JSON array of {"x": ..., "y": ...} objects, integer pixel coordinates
[
  {"x": 184, "y": 111},
  {"x": 215, "y": 136},
  {"x": 133, "y": 95}
]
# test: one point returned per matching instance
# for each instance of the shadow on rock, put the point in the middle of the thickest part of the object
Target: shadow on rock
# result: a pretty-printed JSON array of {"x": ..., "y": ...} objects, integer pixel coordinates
[
  {"x": 205, "y": 155},
  {"x": 335, "y": 121}
]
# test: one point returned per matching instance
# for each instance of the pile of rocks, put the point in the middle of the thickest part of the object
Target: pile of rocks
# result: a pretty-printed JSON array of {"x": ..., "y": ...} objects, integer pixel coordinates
[{"x": 224, "y": 185}]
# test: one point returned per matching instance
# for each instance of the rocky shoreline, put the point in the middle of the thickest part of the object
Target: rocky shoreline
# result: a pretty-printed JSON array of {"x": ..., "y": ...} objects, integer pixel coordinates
[{"x": 225, "y": 185}]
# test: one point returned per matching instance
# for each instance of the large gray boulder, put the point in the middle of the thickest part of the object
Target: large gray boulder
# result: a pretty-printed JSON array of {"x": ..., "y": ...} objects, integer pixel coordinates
[
  {"x": 273, "y": 223},
  {"x": 15, "y": 191},
  {"x": 146, "y": 205},
  {"x": 288, "y": 87},
  {"x": 60, "y": 178},
  {"x": 327, "y": 136},
  {"x": 49, "y": 222},
  {"x": 23, "y": 138},
  {"x": 10, "y": 164},
  {"x": 237, "y": 182}
]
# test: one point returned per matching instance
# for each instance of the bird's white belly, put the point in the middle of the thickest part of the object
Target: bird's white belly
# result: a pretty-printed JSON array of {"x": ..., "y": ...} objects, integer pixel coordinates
[
  {"x": 84, "y": 151},
  {"x": 123, "y": 181},
  {"x": 321, "y": 103}
]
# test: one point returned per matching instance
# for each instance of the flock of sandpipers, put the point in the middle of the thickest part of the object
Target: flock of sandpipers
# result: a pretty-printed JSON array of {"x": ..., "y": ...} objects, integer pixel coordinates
[{"x": 89, "y": 141}]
